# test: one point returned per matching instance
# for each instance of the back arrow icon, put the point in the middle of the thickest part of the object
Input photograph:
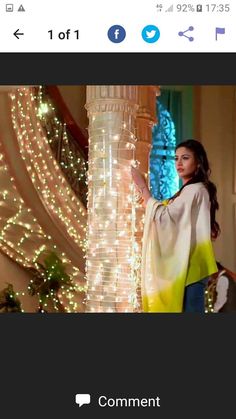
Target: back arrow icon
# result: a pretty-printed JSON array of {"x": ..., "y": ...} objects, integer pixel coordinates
[{"x": 17, "y": 33}]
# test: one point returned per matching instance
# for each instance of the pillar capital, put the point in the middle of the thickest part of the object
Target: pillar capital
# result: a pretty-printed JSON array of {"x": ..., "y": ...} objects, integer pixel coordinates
[{"x": 112, "y": 98}]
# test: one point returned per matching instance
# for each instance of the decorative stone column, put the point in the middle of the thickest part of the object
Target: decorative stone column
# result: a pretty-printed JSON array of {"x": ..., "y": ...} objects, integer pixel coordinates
[
  {"x": 111, "y": 208},
  {"x": 146, "y": 118}
]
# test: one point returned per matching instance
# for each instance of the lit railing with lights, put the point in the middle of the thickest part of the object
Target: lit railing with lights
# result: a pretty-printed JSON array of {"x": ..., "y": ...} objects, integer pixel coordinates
[{"x": 40, "y": 212}]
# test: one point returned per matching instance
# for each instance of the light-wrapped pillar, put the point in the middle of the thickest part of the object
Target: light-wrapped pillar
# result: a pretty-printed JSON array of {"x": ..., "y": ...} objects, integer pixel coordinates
[
  {"x": 111, "y": 208},
  {"x": 146, "y": 118}
]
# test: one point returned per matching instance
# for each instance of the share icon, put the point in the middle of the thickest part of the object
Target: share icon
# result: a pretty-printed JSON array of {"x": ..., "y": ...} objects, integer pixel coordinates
[{"x": 191, "y": 38}]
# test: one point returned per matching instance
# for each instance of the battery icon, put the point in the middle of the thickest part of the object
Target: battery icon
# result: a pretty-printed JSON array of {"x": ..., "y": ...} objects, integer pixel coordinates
[{"x": 199, "y": 8}]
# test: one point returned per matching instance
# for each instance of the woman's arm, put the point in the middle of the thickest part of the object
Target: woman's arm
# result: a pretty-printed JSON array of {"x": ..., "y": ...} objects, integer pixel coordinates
[{"x": 141, "y": 184}]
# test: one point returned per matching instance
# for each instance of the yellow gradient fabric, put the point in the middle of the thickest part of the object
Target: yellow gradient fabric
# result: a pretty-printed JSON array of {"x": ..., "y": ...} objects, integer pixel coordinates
[{"x": 177, "y": 249}]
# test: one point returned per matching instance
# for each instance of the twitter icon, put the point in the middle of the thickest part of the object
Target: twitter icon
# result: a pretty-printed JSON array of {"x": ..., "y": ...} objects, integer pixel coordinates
[{"x": 150, "y": 34}]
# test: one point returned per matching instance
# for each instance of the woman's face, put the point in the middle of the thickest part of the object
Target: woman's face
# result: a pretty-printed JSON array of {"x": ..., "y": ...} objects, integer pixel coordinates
[{"x": 185, "y": 163}]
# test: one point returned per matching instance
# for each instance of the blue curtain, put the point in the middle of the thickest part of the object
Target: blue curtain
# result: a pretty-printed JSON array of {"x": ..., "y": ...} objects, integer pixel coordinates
[{"x": 167, "y": 133}]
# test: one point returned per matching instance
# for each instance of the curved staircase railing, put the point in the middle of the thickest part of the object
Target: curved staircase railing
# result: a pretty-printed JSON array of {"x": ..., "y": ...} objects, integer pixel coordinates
[{"x": 67, "y": 140}]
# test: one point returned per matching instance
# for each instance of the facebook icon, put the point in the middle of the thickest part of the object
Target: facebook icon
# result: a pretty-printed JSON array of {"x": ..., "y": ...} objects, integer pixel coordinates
[{"x": 116, "y": 33}]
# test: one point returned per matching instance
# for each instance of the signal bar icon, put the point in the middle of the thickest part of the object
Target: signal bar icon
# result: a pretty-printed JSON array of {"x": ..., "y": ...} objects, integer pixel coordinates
[{"x": 170, "y": 9}]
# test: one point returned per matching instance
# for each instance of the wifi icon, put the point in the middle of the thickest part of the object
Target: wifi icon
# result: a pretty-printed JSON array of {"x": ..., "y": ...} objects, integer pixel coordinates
[{"x": 170, "y": 9}]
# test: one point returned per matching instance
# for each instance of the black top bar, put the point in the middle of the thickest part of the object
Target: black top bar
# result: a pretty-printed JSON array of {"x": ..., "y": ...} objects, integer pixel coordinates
[{"x": 118, "y": 68}]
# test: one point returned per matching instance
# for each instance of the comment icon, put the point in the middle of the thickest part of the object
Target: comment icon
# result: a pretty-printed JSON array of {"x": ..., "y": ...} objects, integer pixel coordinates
[{"x": 82, "y": 399}]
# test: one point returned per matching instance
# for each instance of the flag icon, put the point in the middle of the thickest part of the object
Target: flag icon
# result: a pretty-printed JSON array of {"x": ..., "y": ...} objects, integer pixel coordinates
[{"x": 220, "y": 31}]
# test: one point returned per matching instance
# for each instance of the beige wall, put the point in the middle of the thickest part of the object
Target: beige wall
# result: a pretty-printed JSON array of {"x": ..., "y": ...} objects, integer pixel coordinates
[{"x": 217, "y": 130}]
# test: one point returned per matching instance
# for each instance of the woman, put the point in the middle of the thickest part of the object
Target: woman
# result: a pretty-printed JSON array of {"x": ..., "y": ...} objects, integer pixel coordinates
[{"x": 177, "y": 254}]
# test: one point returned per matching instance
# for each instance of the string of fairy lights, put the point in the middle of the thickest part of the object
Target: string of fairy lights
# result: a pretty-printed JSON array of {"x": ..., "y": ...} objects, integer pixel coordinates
[
  {"x": 209, "y": 298},
  {"x": 14, "y": 223},
  {"x": 112, "y": 249},
  {"x": 43, "y": 168},
  {"x": 119, "y": 289},
  {"x": 65, "y": 149},
  {"x": 29, "y": 242}
]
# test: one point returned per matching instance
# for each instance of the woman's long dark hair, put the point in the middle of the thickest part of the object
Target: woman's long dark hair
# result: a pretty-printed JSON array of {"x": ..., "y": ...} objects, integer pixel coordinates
[{"x": 202, "y": 175}]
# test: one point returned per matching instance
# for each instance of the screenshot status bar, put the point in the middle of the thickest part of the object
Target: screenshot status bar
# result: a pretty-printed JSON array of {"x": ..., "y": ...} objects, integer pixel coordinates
[{"x": 109, "y": 26}]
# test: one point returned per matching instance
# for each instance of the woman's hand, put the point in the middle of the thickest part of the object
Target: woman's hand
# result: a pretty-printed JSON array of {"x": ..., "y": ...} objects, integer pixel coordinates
[
  {"x": 141, "y": 185},
  {"x": 138, "y": 178},
  {"x": 140, "y": 200}
]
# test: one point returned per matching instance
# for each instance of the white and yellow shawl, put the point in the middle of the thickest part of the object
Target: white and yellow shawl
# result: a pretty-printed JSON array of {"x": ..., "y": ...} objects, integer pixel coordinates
[{"x": 177, "y": 248}]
